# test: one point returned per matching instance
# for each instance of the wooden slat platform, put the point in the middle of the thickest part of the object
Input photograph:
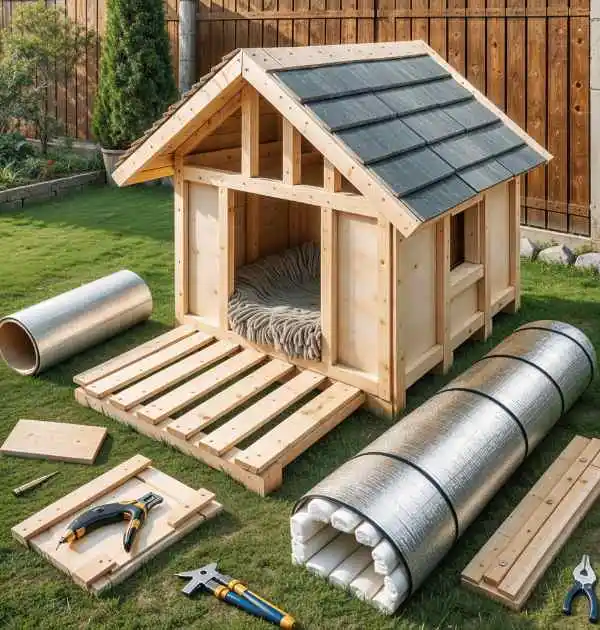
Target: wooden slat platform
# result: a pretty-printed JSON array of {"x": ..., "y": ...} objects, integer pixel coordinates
[
  {"x": 175, "y": 387},
  {"x": 509, "y": 566}
]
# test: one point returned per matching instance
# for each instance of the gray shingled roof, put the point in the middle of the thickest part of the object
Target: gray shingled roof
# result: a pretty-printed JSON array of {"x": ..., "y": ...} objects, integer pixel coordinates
[{"x": 415, "y": 126}]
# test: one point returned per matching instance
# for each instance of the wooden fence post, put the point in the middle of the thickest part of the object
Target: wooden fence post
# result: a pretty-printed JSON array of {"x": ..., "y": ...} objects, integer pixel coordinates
[{"x": 595, "y": 121}]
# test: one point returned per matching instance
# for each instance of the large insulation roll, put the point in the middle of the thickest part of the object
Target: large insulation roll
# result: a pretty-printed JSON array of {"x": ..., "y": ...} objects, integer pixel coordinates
[
  {"x": 44, "y": 334},
  {"x": 413, "y": 491}
]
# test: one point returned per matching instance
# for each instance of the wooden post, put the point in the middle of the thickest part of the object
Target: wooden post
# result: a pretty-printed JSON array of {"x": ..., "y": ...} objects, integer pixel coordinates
[
  {"x": 226, "y": 253},
  {"x": 595, "y": 120},
  {"x": 484, "y": 289},
  {"x": 331, "y": 182},
  {"x": 250, "y": 132},
  {"x": 514, "y": 194},
  {"x": 292, "y": 154},
  {"x": 442, "y": 275},
  {"x": 187, "y": 44},
  {"x": 384, "y": 350},
  {"x": 181, "y": 223},
  {"x": 398, "y": 359}
]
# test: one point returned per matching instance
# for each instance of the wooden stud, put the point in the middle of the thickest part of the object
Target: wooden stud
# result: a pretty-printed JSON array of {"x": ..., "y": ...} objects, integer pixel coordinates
[
  {"x": 253, "y": 216},
  {"x": 181, "y": 236},
  {"x": 292, "y": 155},
  {"x": 384, "y": 310},
  {"x": 397, "y": 337},
  {"x": 226, "y": 260},
  {"x": 442, "y": 274},
  {"x": 514, "y": 193},
  {"x": 302, "y": 193},
  {"x": 250, "y": 132},
  {"x": 484, "y": 292},
  {"x": 332, "y": 178}
]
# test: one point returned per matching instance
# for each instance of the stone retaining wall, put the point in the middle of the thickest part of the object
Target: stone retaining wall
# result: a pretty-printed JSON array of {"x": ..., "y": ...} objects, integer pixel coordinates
[{"x": 15, "y": 198}]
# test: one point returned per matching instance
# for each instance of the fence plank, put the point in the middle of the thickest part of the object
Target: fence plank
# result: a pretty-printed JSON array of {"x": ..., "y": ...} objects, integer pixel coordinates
[{"x": 531, "y": 57}]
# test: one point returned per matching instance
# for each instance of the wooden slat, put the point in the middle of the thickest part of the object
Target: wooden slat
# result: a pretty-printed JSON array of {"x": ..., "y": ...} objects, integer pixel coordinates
[
  {"x": 514, "y": 192},
  {"x": 261, "y": 412},
  {"x": 181, "y": 224},
  {"x": 93, "y": 569},
  {"x": 484, "y": 292},
  {"x": 192, "y": 506},
  {"x": 547, "y": 543},
  {"x": 79, "y": 498},
  {"x": 147, "y": 365},
  {"x": 498, "y": 571},
  {"x": 330, "y": 407},
  {"x": 200, "y": 386},
  {"x": 233, "y": 396},
  {"x": 173, "y": 374},
  {"x": 135, "y": 354},
  {"x": 514, "y": 523}
]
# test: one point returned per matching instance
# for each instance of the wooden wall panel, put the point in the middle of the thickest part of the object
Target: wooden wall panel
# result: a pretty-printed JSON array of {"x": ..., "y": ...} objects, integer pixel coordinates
[
  {"x": 462, "y": 308},
  {"x": 203, "y": 252},
  {"x": 530, "y": 56},
  {"x": 497, "y": 204},
  {"x": 357, "y": 280},
  {"x": 304, "y": 223},
  {"x": 417, "y": 272}
]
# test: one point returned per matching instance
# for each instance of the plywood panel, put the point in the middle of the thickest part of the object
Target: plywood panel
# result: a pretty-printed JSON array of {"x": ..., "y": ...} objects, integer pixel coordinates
[
  {"x": 357, "y": 321},
  {"x": 203, "y": 252},
  {"x": 497, "y": 202},
  {"x": 462, "y": 308},
  {"x": 417, "y": 270}
]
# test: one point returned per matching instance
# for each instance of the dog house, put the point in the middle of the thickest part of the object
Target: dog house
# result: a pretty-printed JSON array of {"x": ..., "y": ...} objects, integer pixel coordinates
[{"x": 353, "y": 209}]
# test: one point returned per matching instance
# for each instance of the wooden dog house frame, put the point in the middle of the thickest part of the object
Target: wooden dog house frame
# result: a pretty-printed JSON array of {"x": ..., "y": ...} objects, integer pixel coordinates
[{"x": 256, "y": 169}]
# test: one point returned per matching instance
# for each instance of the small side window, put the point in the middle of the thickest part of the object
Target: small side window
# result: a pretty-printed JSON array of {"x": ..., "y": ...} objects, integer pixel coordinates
[{"x": 457, "y": 240}]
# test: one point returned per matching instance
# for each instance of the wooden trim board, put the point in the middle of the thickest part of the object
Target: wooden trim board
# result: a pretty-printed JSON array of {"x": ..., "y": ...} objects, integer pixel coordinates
[
  {"x": 39, "y": 439},
  {"x": 512, "y": 562},
  {"x": 98, "y": 560}
]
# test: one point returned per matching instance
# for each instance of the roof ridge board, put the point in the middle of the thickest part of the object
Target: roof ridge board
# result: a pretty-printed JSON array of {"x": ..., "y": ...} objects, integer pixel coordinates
[
  {"x": 371, "y": 90},
  {"x": 329, "y": 64}
]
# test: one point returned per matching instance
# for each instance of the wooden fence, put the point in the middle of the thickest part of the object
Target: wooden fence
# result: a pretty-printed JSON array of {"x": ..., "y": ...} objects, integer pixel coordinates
[{"x": 531, "y": 57}]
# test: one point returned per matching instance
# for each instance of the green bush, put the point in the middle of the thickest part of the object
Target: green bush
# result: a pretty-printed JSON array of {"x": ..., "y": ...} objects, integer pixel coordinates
[
  {"x": 45, "y": 45},
  {"x": 14, "y": 148},
  {"x": 136, "y": 77}
]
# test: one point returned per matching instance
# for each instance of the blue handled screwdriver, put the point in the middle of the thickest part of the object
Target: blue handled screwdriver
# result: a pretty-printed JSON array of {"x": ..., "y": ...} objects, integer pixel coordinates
[{"x": 236, "y": 593}]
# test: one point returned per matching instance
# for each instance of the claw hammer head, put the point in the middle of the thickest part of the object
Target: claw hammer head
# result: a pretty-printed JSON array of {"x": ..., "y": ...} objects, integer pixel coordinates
[{"x": 201, "y": 578}]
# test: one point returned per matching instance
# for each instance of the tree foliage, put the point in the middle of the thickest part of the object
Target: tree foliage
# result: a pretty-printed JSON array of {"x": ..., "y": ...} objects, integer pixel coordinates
[
  {"x": 136, "y": 77},
  {"x": 46, "y": 45}
]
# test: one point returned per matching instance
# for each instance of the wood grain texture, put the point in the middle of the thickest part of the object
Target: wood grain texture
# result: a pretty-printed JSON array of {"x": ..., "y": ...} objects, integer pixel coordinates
[{"x": 60, "y": 441}]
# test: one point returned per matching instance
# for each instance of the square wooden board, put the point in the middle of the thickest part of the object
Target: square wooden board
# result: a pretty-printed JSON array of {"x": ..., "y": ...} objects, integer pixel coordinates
[{"x": 61, "y": 441}]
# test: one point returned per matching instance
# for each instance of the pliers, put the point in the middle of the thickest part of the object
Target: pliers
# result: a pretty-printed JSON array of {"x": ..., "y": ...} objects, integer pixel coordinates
[{"x": 585, "y": 578}]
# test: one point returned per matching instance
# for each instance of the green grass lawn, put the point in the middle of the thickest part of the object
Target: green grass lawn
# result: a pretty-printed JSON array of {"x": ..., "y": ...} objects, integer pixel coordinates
[{"x": 58, "y": 245}]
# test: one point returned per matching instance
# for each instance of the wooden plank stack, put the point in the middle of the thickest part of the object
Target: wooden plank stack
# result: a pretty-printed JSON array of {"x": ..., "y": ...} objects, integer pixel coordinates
[
  {"x": 98, "y": 560},
  {"x": 193, "y": 366},
  {"x": 511, "y": 563}
]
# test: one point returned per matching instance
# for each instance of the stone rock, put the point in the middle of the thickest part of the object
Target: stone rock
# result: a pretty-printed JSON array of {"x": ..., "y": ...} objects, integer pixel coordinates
[
  {"x": 589, "y": 261},
  {"x": 528, "y": 248},
  {"x": 557, "y": 255}
]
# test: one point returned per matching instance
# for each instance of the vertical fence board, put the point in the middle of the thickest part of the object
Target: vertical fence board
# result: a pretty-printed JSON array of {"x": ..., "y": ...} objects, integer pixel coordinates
[{"x": 531, "y": 57}]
